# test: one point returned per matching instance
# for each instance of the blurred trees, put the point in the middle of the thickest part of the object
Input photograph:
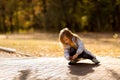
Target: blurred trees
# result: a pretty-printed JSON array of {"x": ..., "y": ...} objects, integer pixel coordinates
[{"x": 53, "y": 15}]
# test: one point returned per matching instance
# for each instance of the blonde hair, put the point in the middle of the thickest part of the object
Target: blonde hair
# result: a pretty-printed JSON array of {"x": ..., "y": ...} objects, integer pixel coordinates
[{"x": 66, "y": 32}]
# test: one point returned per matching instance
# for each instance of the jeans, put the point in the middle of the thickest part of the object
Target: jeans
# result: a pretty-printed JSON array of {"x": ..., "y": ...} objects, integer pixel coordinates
[{"x": 84, "y": 55}]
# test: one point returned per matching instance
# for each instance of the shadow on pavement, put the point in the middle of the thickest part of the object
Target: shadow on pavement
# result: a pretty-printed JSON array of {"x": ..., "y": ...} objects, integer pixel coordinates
[
  {"x": 114, "y": 74},
  {"x": 23, "y": 75},
  {"x": 81, "y": 69}
]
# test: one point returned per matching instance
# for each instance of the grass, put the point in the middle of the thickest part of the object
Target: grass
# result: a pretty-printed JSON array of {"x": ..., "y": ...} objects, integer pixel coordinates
[{"x": 44, "y": 44}]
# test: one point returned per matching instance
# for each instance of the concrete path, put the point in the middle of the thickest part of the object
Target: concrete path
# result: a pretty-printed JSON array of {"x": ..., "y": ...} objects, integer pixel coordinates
[{"x": 57, "y": 69}]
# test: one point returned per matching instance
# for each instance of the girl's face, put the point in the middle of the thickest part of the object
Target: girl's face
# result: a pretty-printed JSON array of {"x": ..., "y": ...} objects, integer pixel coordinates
[{"x": 66, "y": 40}]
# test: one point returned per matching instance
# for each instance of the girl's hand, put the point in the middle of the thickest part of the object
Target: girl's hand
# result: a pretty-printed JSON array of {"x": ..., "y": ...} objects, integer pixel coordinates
[
  {"x": 75, "y": 56},
  {"x": 71, "y": 58}
]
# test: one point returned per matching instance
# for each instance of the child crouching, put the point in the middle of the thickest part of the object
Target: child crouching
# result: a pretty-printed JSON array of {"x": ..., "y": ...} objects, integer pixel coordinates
[{"x": 74, "y": 48}]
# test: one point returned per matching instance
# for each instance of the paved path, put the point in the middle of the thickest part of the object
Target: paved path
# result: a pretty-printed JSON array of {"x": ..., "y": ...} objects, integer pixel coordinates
[{"x": 57, "y": 69}]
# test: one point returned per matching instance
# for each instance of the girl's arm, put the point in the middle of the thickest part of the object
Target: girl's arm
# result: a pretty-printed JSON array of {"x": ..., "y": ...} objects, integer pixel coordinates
[{"x": 80, "y": 48}]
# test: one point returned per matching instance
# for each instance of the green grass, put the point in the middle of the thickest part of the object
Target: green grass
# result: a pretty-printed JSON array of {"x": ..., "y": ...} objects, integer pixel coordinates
[{"x": 98, "y": 44}]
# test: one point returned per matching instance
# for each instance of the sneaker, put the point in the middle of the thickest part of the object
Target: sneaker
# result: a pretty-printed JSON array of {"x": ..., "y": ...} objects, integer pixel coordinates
[
  {"x": 72, "y": 62},
  {"x": 95, "y": 61}
]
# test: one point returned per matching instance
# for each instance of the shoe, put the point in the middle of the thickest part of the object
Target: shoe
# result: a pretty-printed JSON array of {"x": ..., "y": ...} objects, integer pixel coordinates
[
  {"x": 73, "y": 62},
  {"x": 70, "y": 63},
  {"x": 95, "y": 61}
]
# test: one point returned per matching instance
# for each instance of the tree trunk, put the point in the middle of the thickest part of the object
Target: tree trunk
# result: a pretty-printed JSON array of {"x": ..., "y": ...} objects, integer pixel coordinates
[
  {"x": 16, "y": 17},
  {"x": 45, "y": 15},
  {"x": 11, "y": 25},
  {"x": 3, "y": 19},
  {"x": 117, "y": 17}
]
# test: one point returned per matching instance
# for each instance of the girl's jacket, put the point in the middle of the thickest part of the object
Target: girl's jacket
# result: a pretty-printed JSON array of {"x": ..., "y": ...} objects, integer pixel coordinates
[{"x": 80, "y": 48}]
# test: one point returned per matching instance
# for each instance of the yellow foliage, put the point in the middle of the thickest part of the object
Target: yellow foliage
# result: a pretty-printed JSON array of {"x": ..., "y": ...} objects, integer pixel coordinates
[{"x": 115, "y": 36}]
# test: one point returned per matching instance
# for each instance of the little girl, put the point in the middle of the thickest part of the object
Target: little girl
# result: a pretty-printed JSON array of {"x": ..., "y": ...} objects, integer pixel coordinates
[{"x": 74, "y": 48}]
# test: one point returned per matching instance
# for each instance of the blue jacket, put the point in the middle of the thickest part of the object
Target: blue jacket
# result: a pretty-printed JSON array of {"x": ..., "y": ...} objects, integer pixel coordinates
[{"x": 80, "y": 48}]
